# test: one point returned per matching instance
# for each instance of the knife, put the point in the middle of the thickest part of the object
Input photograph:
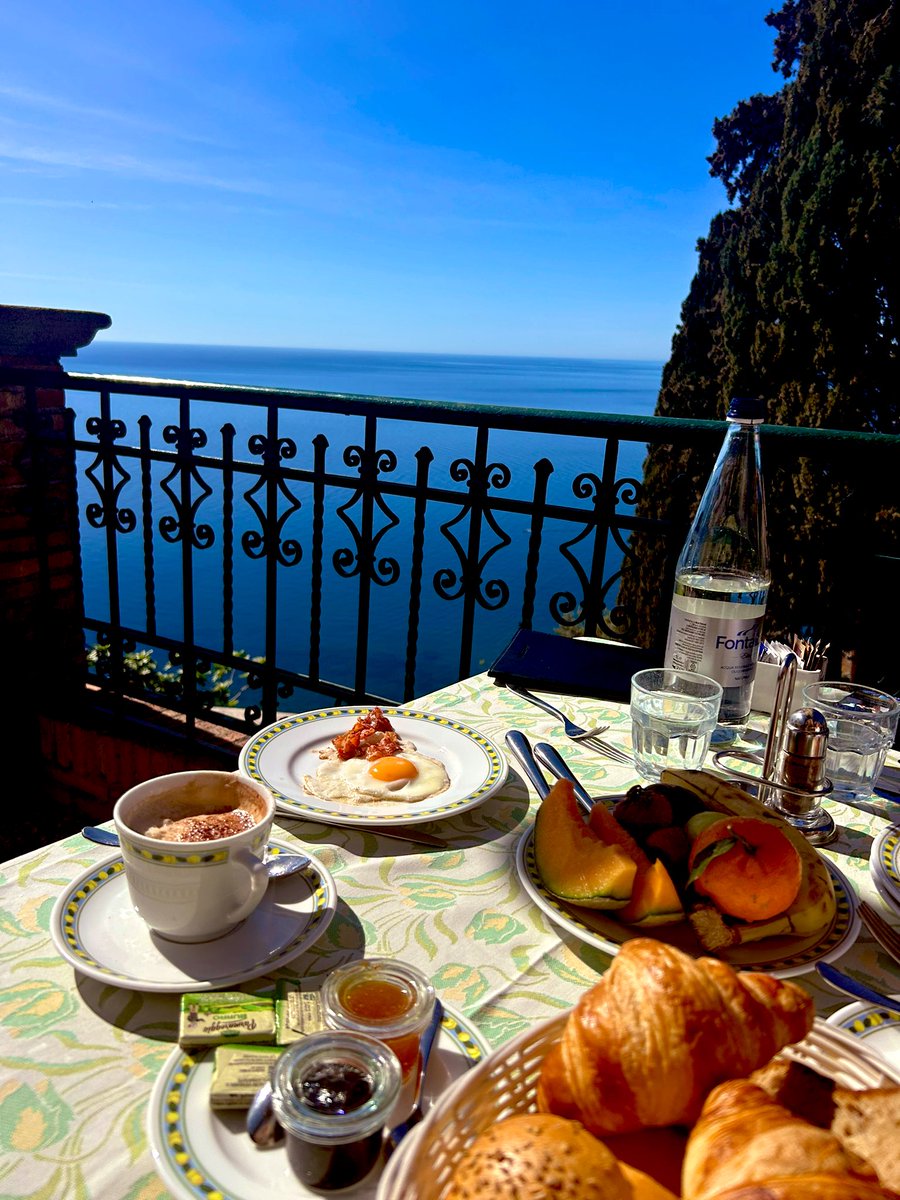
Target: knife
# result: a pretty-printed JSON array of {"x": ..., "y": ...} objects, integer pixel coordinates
[
  {"x": 852, "y": 987},
  {"x": 518, "y": 743},
  {"x": 407, "y": 834},
  {"x": 402, "y": 835},
  {"x": 554, "y": 761}
]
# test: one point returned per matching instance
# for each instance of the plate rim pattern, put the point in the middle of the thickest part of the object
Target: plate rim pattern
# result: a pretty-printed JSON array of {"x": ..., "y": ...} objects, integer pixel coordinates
[
  {"x": 248, "y": 764},
  {"x": 69, "y": 908},
  {"x": 166, "y": 1109},
  {"x": 846, "y": 916}
]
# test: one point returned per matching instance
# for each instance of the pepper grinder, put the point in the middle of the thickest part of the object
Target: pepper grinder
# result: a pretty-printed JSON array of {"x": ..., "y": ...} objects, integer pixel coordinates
[{"x": 801, "y": 765}]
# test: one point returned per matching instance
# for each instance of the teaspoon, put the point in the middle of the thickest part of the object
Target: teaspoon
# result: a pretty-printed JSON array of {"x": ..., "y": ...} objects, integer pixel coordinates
[{"x": 277, "y": 866}]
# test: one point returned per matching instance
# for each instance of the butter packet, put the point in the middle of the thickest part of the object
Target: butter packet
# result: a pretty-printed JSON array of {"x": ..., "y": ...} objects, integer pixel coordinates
[
  {"x": 238, "y": 1074},
  {"x": 298, "y": 1009},
  {"x": 211, "y": 1018}
]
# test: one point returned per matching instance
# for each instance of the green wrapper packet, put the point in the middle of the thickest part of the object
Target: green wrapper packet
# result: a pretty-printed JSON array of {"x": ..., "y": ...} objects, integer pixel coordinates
[
  {"x": 238, "y": 1074},
  {"x": 214, "y": 1018}
]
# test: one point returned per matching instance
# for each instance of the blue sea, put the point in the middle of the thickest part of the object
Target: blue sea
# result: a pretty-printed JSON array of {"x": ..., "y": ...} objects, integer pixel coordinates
[{"x": 576, "y": 385}]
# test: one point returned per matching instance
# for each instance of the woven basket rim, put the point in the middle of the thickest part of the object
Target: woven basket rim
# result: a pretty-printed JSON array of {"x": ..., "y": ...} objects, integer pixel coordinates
[{"x": 474, "y": 1086}]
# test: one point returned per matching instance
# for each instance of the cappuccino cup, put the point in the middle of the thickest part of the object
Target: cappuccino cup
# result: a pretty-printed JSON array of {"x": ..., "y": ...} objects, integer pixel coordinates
[{"x": 193, "y": 845}]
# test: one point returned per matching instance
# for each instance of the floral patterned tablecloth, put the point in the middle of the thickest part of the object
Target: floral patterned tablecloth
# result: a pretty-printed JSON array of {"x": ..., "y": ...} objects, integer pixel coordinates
[{"x": 79, "y": 1058}]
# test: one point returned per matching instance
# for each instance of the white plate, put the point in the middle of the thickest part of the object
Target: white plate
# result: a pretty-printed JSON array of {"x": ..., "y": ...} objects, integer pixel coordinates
[
  {"x": 95, "y": 928},
  {"x": 884, "y": 889},
  {"x": 877, "y": 1028},
  {"x": 200, "y": 1153},
  {"x": 779, "y": 956},
  {"x": 885, "y": 862},
  {"x": 280, "y": 755}
]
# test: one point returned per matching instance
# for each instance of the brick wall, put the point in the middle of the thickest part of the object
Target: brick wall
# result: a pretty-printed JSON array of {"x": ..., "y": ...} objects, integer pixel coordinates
[{"x": 75, "y": 759}]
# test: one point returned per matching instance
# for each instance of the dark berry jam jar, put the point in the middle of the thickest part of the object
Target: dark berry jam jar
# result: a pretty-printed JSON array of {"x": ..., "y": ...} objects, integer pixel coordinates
[{"x": 332, "y": 1093}]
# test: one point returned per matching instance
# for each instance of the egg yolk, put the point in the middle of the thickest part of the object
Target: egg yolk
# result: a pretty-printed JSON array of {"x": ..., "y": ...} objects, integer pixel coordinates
[{"x": 391, "y": 768}]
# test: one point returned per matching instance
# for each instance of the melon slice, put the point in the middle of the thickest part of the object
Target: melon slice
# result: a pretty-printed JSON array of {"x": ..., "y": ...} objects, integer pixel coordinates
[
  {"x": 654, "y": 897},
  {"x": 572, "y": 861}
]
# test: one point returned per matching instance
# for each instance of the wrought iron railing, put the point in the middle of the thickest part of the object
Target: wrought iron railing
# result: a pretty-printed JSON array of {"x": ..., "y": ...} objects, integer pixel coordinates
[{"x": 292, "y": 548}]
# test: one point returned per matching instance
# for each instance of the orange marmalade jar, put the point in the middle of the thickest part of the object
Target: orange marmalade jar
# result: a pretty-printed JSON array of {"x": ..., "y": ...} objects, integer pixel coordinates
[{"x": 385, "y": 998}]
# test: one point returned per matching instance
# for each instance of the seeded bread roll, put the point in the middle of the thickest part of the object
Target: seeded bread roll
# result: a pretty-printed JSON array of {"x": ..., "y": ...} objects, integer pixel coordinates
[{"x": 538, "y": 1156}]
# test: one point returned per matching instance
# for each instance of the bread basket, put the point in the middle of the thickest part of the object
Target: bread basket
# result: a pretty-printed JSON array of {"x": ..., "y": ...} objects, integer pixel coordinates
[{"x": 505, "y": 1083}]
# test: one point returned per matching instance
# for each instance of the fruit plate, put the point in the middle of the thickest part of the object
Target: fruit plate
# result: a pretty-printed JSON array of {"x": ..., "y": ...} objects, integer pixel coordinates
[
  {"x": 282, "y": 754},
  {"x": 780, "y": 956}
]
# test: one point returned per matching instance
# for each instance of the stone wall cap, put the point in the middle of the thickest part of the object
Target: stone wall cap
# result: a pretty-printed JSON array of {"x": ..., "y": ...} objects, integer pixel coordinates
[{"x": 49, "y": 333}]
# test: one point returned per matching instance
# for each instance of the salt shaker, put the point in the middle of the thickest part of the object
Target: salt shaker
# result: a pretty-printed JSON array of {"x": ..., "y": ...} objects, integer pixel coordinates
[{"x": 801, "y": 765}]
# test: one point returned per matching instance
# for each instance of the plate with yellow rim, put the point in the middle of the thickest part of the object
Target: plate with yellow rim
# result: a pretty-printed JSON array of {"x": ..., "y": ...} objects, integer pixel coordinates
[
  {"x": 95, "y": 928},
  {"x": 779, "y": 956},
  {"x": 877, "y": 1027},
  {"x": 205, "y": 1155},
  {"x": 282, "y": 754}
]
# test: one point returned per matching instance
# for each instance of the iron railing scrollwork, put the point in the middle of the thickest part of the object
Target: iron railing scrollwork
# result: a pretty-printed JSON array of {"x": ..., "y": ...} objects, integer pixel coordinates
[{"x": 356, "y": 549}]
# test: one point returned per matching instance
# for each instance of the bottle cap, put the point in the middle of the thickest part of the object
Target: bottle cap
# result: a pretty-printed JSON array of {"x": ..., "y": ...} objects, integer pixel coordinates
[{"x": 746, "y": 408}]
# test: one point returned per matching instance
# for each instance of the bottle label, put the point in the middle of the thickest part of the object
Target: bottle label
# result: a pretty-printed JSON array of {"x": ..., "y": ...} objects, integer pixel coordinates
[{"x": 725, "y": 648}]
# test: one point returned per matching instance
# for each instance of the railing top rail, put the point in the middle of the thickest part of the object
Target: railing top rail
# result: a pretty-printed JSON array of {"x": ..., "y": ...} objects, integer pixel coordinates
[{"x": 449, "y": 412}]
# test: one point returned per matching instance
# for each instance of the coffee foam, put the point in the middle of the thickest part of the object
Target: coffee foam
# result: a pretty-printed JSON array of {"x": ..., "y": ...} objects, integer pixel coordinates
[{"x": 193, "y": 798}]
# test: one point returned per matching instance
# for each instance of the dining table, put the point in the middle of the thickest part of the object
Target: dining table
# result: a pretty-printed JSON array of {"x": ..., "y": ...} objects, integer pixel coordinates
[{"x": 82, "y": 1057}]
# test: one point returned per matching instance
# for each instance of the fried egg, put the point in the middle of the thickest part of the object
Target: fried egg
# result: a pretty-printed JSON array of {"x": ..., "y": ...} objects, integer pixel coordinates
[{"x": 407, "y": 776}]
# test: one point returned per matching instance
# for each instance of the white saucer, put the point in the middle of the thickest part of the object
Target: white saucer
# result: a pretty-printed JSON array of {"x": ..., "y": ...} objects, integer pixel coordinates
[
  {"x": 200, "y": 1153},
  {"x": 878, "y": 1028},
  {"x": 95, "y": 928}
]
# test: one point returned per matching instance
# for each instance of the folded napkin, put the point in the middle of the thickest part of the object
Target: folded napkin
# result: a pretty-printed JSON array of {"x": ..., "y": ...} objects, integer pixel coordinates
[{"x": 550, "y": 662}]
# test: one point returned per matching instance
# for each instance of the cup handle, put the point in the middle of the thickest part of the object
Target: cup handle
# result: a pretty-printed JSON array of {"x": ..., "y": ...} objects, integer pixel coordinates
[{"x": 259, "y": 881}]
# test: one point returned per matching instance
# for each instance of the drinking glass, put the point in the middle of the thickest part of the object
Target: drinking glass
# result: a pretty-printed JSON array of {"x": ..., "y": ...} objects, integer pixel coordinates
[
  {"x": 673, "y": 715},
  {"x": 862, "y": 725}
]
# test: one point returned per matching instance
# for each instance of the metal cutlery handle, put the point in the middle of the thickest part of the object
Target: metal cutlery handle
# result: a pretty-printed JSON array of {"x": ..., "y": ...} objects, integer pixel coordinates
[
  {"x": 520, "y": 746},
  {"x": 853, "y": 987},
  {"x": 554, "y": 762}
]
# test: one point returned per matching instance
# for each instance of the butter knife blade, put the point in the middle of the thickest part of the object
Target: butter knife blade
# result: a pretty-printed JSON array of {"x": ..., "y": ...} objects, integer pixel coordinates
[{"x": 409, "y": 834}]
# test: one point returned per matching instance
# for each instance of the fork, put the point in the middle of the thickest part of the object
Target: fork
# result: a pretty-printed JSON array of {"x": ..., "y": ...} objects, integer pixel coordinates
[
  {"x": 584, "y": 737},
  {"x": 839, "y": 1055},
  {"x": 884, "y": 934},
  {"x": 575, "y": 732}
]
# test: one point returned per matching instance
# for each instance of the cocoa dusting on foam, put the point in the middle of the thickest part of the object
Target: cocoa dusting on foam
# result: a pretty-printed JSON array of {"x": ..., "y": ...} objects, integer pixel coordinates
[{"x": 206, "y": 827}]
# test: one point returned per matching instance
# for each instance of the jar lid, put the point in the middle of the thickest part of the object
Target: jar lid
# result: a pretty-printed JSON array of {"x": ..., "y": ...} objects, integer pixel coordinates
[
  {"x": 335, "y": 1086},
  {"x": 384, "y": 997}
]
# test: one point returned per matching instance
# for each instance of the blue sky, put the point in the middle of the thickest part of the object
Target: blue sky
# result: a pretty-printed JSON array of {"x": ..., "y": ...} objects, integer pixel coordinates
[{"x": 473, "y": 177}]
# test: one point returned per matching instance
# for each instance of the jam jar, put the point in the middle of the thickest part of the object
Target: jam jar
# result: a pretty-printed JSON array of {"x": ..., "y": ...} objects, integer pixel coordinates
[
  {"x": 332, "y": 1093},
  {"x": 385, "y": 998}
]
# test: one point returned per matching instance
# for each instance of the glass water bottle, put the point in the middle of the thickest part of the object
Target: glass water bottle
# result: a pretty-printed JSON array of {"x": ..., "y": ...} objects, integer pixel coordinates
[{"x": 722, "y": 576}]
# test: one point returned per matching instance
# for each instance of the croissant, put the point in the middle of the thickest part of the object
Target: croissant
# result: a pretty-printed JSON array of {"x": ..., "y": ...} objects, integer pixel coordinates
[
  {"x": 646, "y": 1044},
  {"x": 745, "y": 1146}
]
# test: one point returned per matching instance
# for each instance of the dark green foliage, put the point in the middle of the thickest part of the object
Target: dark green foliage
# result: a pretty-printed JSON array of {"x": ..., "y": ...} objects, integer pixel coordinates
[
  {"x": 797, "y": 299},
  {"x": 216, "y": 685}
]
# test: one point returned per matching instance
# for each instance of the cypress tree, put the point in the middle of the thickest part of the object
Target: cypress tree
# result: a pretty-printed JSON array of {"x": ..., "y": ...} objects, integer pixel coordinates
[{"x": 797, "y": 299}]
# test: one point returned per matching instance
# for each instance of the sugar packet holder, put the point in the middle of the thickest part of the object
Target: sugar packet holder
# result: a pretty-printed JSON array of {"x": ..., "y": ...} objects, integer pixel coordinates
[{"x": 766, "y": 681}]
